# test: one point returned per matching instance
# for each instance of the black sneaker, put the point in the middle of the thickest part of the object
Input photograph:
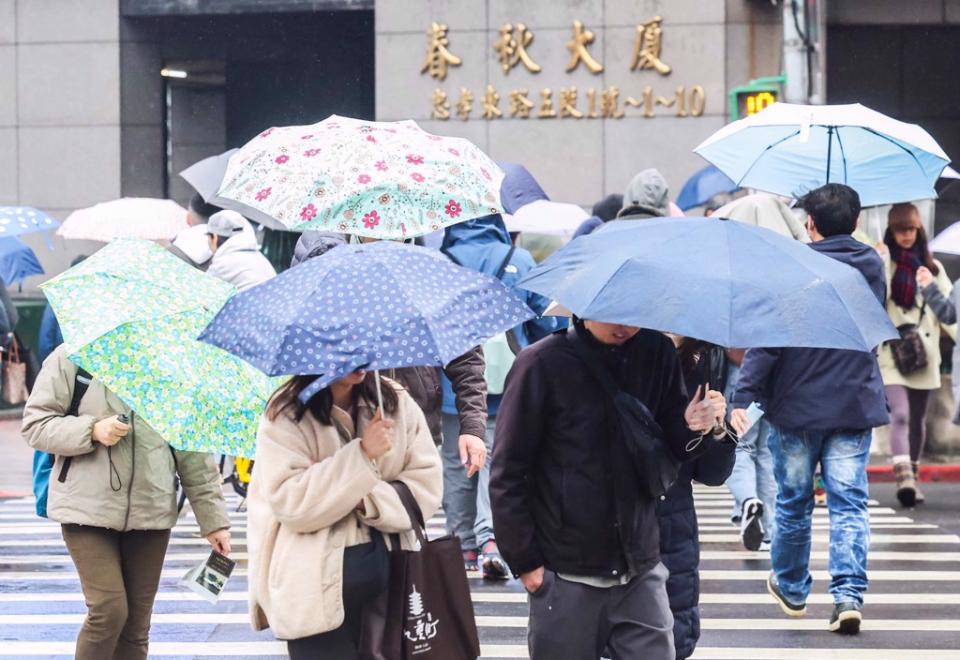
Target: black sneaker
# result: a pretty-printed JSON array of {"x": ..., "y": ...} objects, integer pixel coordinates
[
  {"x": 751, "y": 525},
  {"x": 846, "y": 618},
  {"x": 493, "y": 565},
  {"x": 795, "y": 610}
]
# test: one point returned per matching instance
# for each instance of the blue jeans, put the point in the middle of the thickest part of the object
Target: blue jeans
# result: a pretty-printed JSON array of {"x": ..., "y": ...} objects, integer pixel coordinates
[
  {"x": 466, "y": 502},
  {"x": 752, "y": 476},
  {"x": 843, "y": 456}
]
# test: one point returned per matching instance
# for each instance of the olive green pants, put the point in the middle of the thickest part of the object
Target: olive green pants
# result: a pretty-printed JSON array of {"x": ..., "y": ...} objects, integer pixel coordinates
[{"x": 120, "y": 574}]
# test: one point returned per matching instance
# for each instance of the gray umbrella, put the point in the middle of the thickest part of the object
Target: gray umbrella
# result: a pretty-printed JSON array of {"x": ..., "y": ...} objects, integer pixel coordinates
[{"x": 205, "y": 177}]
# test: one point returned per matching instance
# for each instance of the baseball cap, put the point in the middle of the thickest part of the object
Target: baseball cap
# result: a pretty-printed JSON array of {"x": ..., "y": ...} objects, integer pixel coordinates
[{"x": 226, "y": 223}]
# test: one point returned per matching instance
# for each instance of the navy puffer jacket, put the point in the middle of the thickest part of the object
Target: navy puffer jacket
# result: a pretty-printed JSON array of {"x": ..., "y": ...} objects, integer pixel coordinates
[{"x": 679, "y": 534}]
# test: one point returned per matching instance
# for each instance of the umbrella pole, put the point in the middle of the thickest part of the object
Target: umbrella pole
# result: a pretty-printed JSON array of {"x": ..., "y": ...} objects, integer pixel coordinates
[
  {"x": 829, "y": 150},
  {"x": 376, "y": 377}
]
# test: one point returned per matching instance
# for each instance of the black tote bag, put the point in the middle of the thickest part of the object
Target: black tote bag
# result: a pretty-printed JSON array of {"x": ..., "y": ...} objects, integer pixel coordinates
[{"x": 427, "y": 612}]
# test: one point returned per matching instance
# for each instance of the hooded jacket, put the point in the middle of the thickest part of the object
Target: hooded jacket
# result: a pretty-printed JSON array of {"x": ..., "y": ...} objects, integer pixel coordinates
[
  {"x": 818, "y": 389},
  {"x": 239, "y": 261},
  {"x": 423, "y": 383},
  {"x": 482, "y": 245},
  {"x": 144, "y": 464},
  {"x": 647, "y": 196}
]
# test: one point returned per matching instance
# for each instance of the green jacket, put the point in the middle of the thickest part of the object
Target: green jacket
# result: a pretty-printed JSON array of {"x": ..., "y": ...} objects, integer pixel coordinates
[{"x": 138, "y": 492}]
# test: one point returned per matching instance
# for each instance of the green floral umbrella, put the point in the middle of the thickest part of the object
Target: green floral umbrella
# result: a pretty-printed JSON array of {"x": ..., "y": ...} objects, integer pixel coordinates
[{"x": 130, "y": 315}]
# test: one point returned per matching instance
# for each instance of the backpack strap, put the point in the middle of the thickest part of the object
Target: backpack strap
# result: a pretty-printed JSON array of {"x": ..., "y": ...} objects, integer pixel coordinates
[
  {"x": 81, "y": 383},
  {"x": 506, "y": 262}
]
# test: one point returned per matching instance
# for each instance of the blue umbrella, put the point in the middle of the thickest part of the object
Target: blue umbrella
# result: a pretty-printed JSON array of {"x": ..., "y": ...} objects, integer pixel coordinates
[
  {"x": 790, "y": 149},
  {"x": 16, "y": 220},
  {"x": 370, "y": 306},
  {"x": 703, "y": 185},
  {"x": 725, "y": 282},
  {"x": 17, "y": 261}
]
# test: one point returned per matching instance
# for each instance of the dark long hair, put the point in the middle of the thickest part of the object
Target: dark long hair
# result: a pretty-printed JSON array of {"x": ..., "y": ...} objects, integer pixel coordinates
[
  {"x": 320, "y": 404},
  {"x": 902, "y": 217}
]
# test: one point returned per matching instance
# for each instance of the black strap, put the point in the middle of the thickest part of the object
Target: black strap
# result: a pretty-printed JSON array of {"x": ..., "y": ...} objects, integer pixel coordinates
[
  {"x": 81, "y": 383},
  {"x": 413, "y": 510},
  {"x": 506, "y": 262}
]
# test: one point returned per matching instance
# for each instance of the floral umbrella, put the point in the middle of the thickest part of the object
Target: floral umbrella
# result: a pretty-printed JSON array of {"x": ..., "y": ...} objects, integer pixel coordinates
[
  {"x": 387, "y": 180},
  {"x": 130, "y": 315}
]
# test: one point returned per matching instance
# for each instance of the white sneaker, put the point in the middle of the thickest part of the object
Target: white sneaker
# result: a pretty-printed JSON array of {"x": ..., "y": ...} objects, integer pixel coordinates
[{"x": 751, "y": 524}]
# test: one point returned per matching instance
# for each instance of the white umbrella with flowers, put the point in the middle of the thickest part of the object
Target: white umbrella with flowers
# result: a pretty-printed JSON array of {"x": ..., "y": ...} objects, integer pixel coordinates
[{"x": 387, "y": 180}]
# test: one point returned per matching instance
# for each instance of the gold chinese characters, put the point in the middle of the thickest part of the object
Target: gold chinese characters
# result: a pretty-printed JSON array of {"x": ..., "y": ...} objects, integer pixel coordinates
[
  {"x": 602, "y": 103},
  {"x": 511, "y": 49},
  {"x": 438, "y": 57}
]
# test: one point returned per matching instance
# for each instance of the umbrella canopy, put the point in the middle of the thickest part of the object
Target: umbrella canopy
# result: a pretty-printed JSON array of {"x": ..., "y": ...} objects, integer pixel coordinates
[
  {"x": 17, "y": 261},
  {"x": 723, "y": 282},
  {"x": 129, "y": 217},
  {"x": 702, "y": 186},
  {"x": 546, "y": 217},
  {"x": 790, "y": 149},
  {"x": 767, "y": 211},
  {"x": 372, "y": 306},
  {"x": 386, "y": 180},
  {"x": 17, "y": 220},
  {"x": 947, "y": 241},
  {"x": 206, "y": 176},
  {"x": 130, "y": 315}
]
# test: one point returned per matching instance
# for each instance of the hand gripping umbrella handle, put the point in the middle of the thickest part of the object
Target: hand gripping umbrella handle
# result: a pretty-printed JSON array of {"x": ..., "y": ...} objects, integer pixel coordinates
[{"x": 376, "y": 377}]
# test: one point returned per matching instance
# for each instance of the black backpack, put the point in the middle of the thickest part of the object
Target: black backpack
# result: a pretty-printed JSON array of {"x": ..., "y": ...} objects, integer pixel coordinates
[{"x": 642, "y": 437}]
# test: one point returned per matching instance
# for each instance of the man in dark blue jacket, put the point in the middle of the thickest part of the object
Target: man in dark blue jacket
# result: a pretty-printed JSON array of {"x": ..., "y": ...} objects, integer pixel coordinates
[
  {"x": 483, "y": 244},
  {"x": 822, "y": 406}
]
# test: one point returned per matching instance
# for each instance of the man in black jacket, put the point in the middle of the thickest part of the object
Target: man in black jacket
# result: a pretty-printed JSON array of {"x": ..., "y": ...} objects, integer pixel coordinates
[
  {"x": 822, "y": 405},
  {"x": 570, "y": 518}
]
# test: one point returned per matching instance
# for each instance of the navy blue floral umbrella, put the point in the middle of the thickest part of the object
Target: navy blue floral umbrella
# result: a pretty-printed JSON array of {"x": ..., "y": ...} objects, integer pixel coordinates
[{"x": 370, "y": 306}]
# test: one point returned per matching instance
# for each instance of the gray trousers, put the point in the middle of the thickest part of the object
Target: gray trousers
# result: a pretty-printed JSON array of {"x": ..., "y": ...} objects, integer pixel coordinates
[
  {"x": 574, "y": 621},
  {"x": 466, "y": 502}
]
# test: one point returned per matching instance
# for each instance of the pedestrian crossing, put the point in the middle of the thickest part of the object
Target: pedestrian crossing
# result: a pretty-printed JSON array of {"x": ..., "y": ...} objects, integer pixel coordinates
[{"x": 911, "y": 611}]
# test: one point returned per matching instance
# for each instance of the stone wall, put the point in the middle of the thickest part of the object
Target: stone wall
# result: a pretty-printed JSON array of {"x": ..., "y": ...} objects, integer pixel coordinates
[
  {"x": 709, "y": 45},
  {"x": 59, "y": 110}
]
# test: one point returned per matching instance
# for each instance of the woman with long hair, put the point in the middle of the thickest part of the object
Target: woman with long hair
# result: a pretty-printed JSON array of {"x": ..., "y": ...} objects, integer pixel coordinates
[
  {"x": 908, "y": 387},
  {"x": 321, "y": 500}
]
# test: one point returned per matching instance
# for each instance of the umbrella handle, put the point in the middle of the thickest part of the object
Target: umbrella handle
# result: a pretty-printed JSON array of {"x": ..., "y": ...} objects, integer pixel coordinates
[{"x": 376, "y": 377}]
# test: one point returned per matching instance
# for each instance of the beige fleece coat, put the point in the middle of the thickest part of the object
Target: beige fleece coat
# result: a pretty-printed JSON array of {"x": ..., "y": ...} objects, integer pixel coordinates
[
  {"x": 927, "y": 378},
  {"x": 307, "y": 485},
  {"x": 144, "y": 462}
]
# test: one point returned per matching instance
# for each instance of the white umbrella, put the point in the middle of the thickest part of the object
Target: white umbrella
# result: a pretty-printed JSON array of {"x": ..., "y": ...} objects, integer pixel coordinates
[
  {"x": 949, "y": 173},
  {"x": 947, "y": 241},
  {"x": 546, "y": 217},
  {"x": 130, "y": 217},
  {"x": 790, "y": 149}
]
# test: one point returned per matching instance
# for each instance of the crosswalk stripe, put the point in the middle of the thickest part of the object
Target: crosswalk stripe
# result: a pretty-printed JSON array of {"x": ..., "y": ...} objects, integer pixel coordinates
[{"x": 42, "y": 594}]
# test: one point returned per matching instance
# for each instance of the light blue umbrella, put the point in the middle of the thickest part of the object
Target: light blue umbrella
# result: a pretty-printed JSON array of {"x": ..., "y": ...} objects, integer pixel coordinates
[
  {"x": 17, "y": 220},
  {"x": 790, "y": 149},
  {"x": 725, "y": 282},
  {"x": 17, "y": 261},
  {"x": 702, "y": 186},
  {"x": 368, "y": 306}
]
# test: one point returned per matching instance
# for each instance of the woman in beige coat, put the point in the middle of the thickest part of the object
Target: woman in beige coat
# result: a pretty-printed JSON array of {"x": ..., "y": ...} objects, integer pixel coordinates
[
  {"x": 907, "y": 255},
  {"x": 321, "y": 483},
  {"x": 112, "y": 488}
]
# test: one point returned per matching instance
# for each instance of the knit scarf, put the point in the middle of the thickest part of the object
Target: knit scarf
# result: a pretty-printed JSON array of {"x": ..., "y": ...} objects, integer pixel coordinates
[{"x": 903, "y": 289}]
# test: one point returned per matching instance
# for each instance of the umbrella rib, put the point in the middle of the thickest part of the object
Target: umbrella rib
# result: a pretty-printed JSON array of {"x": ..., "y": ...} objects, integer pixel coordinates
[
  {"x": 765, "y": 152},
  {"x": 897, "y": 144}
]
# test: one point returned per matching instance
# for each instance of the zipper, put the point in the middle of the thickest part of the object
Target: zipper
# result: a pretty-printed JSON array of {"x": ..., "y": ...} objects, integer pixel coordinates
[{"x": 133, "y": 468}]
